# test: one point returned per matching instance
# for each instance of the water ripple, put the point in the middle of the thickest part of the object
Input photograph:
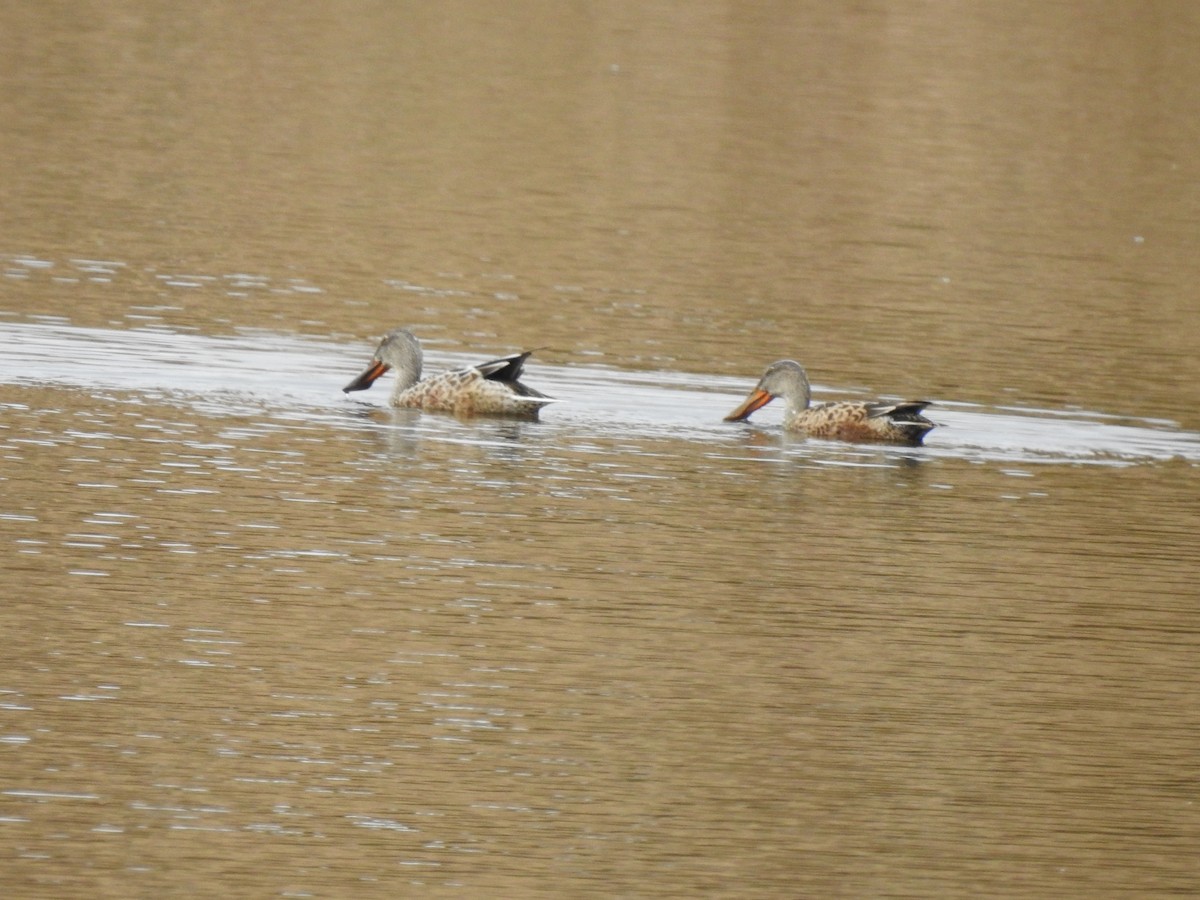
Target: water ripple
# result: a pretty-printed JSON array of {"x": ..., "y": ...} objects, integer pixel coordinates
[{"x": 299, "y": 380}]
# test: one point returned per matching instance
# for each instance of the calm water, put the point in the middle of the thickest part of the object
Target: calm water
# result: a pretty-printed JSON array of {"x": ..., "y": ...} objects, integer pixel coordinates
[{"x": 264, "y": 639}]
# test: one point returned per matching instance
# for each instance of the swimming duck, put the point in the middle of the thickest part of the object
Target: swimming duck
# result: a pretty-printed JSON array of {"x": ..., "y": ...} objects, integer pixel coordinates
[
  {"x": 846, "y": 420},
  {"x": 490, "y": 388}
]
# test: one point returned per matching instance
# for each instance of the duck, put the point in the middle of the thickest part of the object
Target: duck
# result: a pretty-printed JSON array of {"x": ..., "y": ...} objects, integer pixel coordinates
[
  {"x": 489, "y": 388},
  {"x": 873, "y": 421}
]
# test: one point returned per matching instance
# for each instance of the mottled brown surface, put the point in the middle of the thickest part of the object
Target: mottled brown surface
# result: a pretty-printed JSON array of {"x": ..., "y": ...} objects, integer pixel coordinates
[
  {"x": 467, "y": 393},
  {"x": 855, "y": 421}
]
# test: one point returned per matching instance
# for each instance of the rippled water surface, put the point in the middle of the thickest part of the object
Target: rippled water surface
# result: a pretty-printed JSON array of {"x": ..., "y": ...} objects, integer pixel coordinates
[{"x": 267, "y": 639}]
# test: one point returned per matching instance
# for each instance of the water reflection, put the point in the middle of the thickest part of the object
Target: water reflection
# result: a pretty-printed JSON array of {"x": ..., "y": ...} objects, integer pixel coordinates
[
  {"x": 278, "y": 614},
  {"x": 292, "y": 379}
]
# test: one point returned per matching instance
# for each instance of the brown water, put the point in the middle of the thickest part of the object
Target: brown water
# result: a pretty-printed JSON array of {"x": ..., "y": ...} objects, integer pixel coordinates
[{"x": 264, "y": 639}]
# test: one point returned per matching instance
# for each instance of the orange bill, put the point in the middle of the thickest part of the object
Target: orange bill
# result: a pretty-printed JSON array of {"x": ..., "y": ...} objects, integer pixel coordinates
[
  {"x": 757, "y": 400},
  {"x": 367, "y": 378}
]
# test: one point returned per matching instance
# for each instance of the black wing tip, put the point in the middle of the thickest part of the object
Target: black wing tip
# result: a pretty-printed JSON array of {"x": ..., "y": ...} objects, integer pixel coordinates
[
  {"x": 903, "y": 411},
  {"x": 506, "y": 368}
]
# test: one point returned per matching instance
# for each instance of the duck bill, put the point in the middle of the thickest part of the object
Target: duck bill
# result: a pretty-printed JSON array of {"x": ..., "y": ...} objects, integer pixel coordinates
[
  {"x": 367, "y": 378},
  {"x": 757, "y": 400}
]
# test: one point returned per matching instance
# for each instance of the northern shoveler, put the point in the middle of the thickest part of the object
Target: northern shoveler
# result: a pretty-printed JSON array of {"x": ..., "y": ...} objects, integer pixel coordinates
[
  {"x": 490, "y": 388},
  {"x": 846, "y": 420}
]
